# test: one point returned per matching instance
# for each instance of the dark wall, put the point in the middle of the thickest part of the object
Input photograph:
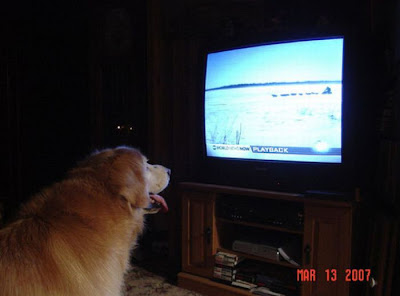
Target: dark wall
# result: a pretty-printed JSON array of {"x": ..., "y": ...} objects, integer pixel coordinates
[
  {"x": 55, "y": 90},
  {"x": 72, "y": 71},
  {"x": 117, "y": 58},
  {"x": 45, "y": 105}
]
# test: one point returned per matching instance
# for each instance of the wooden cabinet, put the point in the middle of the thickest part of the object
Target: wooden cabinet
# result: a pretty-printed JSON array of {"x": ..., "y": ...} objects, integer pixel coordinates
[
  {"x": 327, "y": 249},
  {"x": 325, "y": 235},
  {"x": 199, "y": 233}
]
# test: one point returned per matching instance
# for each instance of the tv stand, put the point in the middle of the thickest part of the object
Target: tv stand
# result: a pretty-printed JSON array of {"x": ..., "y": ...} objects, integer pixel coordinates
[{"x": 325, "y": 235}]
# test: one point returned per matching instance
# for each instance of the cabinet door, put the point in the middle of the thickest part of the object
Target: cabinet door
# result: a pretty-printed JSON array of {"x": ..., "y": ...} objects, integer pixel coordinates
[
  {"x": 198, "y": 243},
  {"x": 327, "y": 246}
]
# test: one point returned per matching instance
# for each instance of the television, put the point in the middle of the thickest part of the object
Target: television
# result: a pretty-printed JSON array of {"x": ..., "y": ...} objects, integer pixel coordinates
[
  {"x": 275, "y": 102},
  {"x": 281, "y": 115}
]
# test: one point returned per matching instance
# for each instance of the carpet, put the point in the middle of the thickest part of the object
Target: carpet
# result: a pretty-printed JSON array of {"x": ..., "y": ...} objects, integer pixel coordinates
[{"x": 140, "y": 282}]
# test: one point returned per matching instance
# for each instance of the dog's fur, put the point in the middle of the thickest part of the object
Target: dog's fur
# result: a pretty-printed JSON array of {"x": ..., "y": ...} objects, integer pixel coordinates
[{"x": 75, "y": 237}]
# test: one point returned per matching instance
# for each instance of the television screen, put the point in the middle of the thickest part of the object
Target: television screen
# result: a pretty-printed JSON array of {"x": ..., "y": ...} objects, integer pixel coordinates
[{"x": 275, "y": 102}]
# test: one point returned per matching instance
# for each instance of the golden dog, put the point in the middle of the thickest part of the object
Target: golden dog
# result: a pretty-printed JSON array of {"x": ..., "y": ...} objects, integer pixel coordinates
[{"x": 75, "y": 237}]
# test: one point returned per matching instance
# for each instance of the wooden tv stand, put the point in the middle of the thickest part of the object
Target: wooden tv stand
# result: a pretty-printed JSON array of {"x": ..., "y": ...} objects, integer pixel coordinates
[{"x": 326, "y": 239}]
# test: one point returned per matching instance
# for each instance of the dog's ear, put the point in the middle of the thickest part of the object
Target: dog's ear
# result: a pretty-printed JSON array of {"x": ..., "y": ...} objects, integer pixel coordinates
[{"x": 127, "y": 177}]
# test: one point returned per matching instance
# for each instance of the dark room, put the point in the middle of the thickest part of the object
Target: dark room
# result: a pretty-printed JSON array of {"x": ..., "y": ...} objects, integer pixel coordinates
[{"x": 200, "y": 147}]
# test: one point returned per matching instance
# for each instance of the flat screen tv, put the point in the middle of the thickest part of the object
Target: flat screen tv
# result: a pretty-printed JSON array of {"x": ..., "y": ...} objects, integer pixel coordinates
[{"x": 276, "y": 102}]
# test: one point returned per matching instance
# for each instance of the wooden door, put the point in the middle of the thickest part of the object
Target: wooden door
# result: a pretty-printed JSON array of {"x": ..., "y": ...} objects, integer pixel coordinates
[
  {"x": 327, "y": 250},
  {"x": 198, "y": 242}
]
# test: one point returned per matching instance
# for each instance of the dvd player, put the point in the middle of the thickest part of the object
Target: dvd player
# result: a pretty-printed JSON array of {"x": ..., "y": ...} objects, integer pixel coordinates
[{"x": 271, "y": 212}]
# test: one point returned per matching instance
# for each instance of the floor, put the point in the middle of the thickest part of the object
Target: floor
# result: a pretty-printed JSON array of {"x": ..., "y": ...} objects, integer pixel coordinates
[{"x": 151, "y": 277}]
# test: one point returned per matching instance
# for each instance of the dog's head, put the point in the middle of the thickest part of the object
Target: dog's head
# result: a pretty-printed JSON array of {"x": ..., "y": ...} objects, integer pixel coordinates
[{"x": 126, "y": 172}]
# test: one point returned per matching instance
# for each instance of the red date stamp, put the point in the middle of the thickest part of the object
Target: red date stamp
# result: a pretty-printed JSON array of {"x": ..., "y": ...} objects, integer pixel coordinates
[
  {"x": 331, "y": 275},
  {"x": 357, "y": 275},
  {"x": 306, "y": 275}
]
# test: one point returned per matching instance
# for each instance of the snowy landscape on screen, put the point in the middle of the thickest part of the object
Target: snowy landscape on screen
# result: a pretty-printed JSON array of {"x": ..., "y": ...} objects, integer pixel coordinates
[{"x": 276, "y": 102}]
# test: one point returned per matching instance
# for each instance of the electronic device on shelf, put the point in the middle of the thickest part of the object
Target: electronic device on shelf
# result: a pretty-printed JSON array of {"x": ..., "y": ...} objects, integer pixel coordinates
[
  {"x": 261, "y": 250},
  {"x": 269, "y": 212},
  {"x": 272, "y": 246}
]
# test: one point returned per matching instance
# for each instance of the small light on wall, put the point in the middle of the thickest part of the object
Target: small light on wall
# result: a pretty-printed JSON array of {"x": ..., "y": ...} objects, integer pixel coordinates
[{"x": 124, "y": 129}]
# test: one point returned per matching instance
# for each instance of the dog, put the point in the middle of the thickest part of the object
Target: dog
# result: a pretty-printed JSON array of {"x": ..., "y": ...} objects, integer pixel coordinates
[{"x": 75, "y": 237}]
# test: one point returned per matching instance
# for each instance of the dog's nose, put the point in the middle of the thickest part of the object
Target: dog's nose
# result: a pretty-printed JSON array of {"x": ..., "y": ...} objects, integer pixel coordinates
[{"x": 169, "y": 172}]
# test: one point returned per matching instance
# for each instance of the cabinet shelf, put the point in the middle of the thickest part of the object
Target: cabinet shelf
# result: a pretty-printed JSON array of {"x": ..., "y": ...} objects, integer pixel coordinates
[
  {"x": 209, "y": 287},
  {"x": 261, "y": 226},
  {"x": 326, "y": 235},
  {"x": 258, "y": 258}
]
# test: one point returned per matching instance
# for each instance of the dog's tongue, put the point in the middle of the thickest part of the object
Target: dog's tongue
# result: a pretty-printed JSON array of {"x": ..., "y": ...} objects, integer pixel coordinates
[{"x": 161, "y": 201}]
